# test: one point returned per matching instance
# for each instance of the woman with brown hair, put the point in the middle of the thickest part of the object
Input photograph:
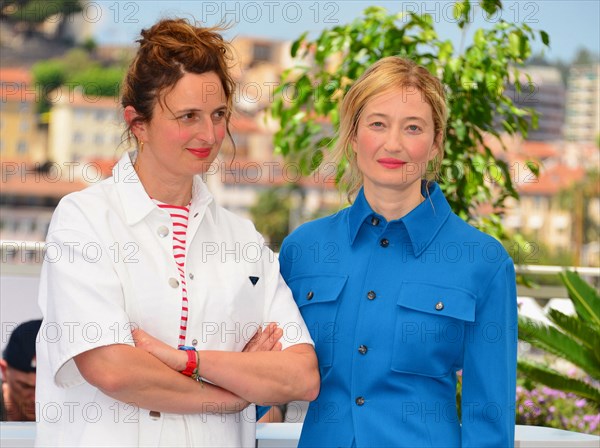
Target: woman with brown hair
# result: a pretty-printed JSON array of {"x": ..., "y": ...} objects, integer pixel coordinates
[{"x": 151, "y": 305}]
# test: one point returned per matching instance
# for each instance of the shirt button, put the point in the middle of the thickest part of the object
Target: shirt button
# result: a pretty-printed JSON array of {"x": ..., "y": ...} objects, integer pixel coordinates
[
  {"x": 173, "y": 283},
  {"x": 195, "y": 215},
  {"x": 195, "y": 342},
  {"x": 363, "y": 349},
  {"x": 371, "y": 295},
  {"x": 375, "y": 221},
  {"x": 360, "y": 401},
  {"x": 439, "y": 306},
  {"x": 162, "y": 231},
  {"x": 384, "y": 243},
  {"x": 310, "y": 295},
  {"x": 191, "y": 276}
]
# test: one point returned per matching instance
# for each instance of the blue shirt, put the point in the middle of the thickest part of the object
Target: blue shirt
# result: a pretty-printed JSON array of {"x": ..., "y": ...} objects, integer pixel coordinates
[{"x": 396, "y": 309}]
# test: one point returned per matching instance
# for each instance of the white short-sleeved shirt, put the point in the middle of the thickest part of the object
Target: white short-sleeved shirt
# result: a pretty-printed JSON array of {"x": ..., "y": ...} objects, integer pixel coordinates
[{"x": 109, "y": 263}]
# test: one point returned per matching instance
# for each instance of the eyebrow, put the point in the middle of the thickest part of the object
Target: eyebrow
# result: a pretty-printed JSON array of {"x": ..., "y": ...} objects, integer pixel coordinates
[
  {"x": 193, "y": 109},
  {"x": 379, "y": 114}
]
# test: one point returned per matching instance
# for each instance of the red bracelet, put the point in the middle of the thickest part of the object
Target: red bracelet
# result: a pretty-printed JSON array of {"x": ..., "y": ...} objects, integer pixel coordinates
[{"x": 192, "y": 362}]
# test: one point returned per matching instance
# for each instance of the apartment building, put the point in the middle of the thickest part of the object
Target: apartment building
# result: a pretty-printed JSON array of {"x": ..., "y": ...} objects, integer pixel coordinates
[
  {"x": 540, "y": 213},
  {"x": 583, "y": 104},
  {"x": 83, "y": 127},
  {"x": 22, "y": 138},
  {"x": 545, "y": 93}
]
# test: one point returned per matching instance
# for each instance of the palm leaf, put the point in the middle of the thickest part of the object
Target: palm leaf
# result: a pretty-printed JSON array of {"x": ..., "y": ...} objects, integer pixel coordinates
[
  {"x": 584, "y": 297},
  {"x": 553, "y": 341},
  {"x": 555, "y": 380},
  {"x": 578, "y": 329}
]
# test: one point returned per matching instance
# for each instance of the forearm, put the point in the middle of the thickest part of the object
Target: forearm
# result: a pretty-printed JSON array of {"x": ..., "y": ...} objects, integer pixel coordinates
[
  {"x": 265, "y": 377},
  {"x": 134, "y": 376}
]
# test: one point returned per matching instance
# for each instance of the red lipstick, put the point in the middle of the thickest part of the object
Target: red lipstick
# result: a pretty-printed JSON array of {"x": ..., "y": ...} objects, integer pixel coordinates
[
  {"x": 391, "y": 163},
  {"x": 201, "y": 153}
]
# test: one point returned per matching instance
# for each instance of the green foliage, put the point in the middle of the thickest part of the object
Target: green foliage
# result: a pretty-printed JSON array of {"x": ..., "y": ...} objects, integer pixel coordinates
[
  {"x": 98, "y": 81},
  {"x": 89, "y": 45},
  {"x": 76, "y": 69},
  {"x": 271, "y": 214},
  {"x": 37, "y": 11},
  {"x": 573, "y": 338},
  {"x": 525, "y": 249},
  {"x": 474, "y": 78},
  {"x": 50, "y": 73}
]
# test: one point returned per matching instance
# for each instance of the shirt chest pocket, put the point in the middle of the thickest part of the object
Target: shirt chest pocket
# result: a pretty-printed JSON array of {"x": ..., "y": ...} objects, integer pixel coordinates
[
  {"x": 430, "y": 328},
  {"x": 318, "y": 297}
]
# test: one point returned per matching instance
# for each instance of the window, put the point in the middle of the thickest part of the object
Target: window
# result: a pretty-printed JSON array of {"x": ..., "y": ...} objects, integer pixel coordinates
[
  {"x": 78, "y": 137},
  {"x": 22, "y": 147},
  {"x": 262, "y": 52}
]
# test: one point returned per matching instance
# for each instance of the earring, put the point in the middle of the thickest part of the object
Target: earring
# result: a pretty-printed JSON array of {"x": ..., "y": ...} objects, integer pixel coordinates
[{"x": 141, "y": 146}]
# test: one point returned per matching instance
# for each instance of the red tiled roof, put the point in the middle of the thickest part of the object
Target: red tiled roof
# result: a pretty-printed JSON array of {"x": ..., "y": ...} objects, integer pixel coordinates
[
  {"x": 93, "y": 101},
  {"x": 15, "y": 86},
  {"x": 41, "y": 186},
  {"x": 551, "y": 181},
  {"x": 15, "y": 74},
  {"x": 244, "y": 171},
  {"x": 538, "y": 150}
]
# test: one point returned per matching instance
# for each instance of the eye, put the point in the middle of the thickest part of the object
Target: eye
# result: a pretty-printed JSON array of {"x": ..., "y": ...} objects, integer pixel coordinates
[
  {"x": 219, "y": 115},
  {"x": 413, "y": 128},
  {"x": 188, "y": 116},
  {"x": 377, "y": 125}
]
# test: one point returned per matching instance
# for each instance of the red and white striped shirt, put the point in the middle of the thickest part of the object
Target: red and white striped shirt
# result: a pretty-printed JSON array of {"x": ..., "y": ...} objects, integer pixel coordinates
[{"x": 179, "y": 216}]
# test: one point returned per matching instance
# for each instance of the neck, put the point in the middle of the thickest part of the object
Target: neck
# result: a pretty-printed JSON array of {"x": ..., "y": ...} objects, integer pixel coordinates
[
  {"x": 161, "y": 185},
  {"x": 392, "y": 203},
  {"x": 14, "y": 413}
]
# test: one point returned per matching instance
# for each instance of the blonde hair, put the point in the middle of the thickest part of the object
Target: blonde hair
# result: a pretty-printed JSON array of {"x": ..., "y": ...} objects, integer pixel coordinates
[{"x": 386, "y": 74}]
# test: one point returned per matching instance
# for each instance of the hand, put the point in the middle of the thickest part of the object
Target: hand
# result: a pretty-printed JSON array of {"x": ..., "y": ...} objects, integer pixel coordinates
[
  {"x": 175, "y": 359},
  {"x": 266, "y": 340}
]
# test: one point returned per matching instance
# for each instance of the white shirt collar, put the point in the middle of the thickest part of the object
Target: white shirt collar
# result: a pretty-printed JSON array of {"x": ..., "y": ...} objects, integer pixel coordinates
[{"x": 136, "y": 202}]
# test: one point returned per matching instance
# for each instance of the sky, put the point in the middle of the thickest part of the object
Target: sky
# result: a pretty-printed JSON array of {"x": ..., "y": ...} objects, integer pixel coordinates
[{"x": 571, "y": 24}]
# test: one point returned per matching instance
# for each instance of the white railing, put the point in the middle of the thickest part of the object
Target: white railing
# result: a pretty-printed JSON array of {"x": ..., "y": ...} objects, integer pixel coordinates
[
  {"x": 32, "y": 252},
  {"x": 286, "y": 435}
]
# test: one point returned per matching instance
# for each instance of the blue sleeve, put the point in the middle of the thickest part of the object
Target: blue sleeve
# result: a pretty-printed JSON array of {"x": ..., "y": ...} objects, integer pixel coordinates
[
  {"x": 261, "y": 411},
  {"x": 490, "y": 363}
]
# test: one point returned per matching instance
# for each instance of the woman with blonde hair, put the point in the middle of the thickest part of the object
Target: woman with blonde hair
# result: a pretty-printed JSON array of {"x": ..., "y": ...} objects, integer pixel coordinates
[
  {"x": 151, "y": 305},
  {"x": 398, "y": 292}
]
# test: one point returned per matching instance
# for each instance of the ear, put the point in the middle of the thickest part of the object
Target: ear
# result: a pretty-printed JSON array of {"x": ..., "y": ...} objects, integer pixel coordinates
[
  {"x": 3, "y": 367},
  {"x": 138, "y": 128},
  {"x": 436, "y": 148},
  {"x": 354, "y": 142}
]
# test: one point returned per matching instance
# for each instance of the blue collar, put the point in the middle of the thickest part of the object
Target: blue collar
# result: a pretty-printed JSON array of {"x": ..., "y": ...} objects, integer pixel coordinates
[{"x": 422, "y": 223}]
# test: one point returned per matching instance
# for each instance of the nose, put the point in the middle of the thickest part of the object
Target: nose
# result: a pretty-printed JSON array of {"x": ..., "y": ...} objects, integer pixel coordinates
[
  {"x": 206, "y": 131},
  {"x": 393, "y": 143}
]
